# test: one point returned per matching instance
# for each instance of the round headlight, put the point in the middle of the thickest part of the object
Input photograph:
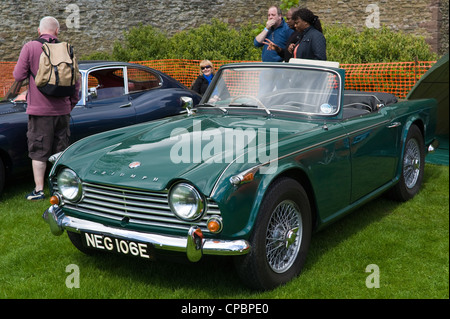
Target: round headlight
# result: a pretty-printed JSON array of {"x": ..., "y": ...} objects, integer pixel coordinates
[
  {"x": 186, "y": 202},
  {"x": 69, "y": 185}
]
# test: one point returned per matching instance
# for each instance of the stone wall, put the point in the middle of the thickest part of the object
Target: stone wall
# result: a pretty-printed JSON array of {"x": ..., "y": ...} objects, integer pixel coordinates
[
  {"x": 427, "y": 18},
  {"x": 92, "y": 25}
]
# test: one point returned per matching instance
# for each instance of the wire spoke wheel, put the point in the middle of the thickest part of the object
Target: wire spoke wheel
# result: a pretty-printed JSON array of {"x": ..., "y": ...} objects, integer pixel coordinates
[
  {"x": 411, "y": 163},
  {"x": 280, "y": 239},
  {"x": 413, "y": 166},
  {"x": 283, "y": 238}
]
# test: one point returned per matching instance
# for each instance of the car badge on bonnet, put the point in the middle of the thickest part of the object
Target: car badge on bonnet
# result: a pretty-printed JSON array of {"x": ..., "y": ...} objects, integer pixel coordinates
[{"x": 134, "y": 164}]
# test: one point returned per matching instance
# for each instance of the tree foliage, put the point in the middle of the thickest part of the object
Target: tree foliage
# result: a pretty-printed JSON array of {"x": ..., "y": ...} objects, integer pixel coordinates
[
  {"x": 141, "y": 43},
  {"x": 347, "y": 45},
  {"x": 219, "y": 41},
  {"x": 215, "y": 41}
]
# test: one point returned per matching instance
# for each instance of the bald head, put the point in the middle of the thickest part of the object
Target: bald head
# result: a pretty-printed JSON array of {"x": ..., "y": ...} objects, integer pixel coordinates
[{"x": 48, "y": 25}]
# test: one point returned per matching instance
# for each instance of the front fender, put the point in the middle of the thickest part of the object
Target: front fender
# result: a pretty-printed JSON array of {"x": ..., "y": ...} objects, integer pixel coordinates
[
  {"x": 421, "y": 113},
  {"x": 240, "y": 204},
  {"x": 288, "y": 169}
]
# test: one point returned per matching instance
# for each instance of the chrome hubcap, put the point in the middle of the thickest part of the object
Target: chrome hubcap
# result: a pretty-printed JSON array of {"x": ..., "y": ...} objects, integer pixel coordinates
[
  {"x": 291, "y": 236},
  {"x": 283, "y": 237}
]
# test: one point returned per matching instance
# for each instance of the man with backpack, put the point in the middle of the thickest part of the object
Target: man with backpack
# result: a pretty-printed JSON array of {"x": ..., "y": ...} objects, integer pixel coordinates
[{"x": 48, "y": 113}]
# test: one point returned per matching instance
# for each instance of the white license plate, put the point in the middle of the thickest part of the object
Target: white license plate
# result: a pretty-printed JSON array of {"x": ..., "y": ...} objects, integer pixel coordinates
[{"x": 116, "y": 245}]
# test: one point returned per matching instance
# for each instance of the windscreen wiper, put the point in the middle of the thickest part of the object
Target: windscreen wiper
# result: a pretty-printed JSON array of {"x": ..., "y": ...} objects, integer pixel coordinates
[
  {"x": 253, "y": 106},
  {"x": 212, "y": 105},
  {"x": 243, "y": 104}
]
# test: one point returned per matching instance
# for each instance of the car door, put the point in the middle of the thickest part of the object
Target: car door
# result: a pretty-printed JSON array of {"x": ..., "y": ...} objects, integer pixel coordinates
[
  {"x": 373, "y": 145},
  {"x": 330, "y": 169},
  {"x": 108, "y": 104},
  {"x": 152, "y": 99}
]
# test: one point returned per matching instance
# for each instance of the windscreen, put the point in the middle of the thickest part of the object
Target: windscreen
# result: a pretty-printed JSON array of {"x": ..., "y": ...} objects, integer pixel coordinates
[{"x": 303, "y": 90}]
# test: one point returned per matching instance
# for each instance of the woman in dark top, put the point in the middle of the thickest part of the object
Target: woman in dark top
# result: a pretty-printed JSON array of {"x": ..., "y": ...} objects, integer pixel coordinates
[
  {"x": 311, "y": 43},
  {"x": 204, "y": 79}
]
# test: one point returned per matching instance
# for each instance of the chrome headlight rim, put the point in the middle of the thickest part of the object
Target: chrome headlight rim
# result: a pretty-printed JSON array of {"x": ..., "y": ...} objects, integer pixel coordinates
[
  {"x": 69, "y": 185},
  {"x": 186, "y": 202}
]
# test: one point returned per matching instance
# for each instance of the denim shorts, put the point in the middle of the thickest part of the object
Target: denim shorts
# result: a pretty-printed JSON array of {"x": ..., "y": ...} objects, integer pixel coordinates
[{"x": 47, "y": 135}]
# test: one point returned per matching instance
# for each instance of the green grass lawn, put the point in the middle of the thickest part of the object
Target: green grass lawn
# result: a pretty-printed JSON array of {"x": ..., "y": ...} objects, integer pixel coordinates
[{"x": 408, "y": 242}]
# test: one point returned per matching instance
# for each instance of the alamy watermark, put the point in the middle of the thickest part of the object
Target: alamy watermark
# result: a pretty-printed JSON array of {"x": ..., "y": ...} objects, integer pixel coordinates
[
  {"x": 73, "y": 19},
  {"x": 373, "y": 19},
  {"x": 225, "y": 145},
  {"x": 73, "y": 279},
  {"x": 373, "y": 280}
]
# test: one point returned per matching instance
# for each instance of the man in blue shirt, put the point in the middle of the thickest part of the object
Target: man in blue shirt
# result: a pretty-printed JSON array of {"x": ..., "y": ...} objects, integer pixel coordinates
[{"x": 277, "y": 31}]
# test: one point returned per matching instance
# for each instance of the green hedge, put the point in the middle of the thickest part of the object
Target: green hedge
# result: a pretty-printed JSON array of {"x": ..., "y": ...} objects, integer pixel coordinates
[
  {"x": 218, "y": 41},
  {"x": 347, "y": 45}
]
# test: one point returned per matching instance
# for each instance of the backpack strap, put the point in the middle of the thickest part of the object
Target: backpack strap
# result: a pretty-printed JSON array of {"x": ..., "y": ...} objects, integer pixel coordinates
[
  {"x": 42, "y": 41},
  {"x": 50, "y": 40}
]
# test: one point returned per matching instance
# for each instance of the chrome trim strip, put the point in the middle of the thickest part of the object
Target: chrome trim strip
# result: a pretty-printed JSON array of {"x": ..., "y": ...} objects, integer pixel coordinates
[
  {"x": 394, "y": 124},
  {"x": 298, "y": 151},
  {"x": 274, "y": 160}
]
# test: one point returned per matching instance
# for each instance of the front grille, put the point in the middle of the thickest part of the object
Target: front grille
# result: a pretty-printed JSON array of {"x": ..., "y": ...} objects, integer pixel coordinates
[{"x": 139, "y": 206}]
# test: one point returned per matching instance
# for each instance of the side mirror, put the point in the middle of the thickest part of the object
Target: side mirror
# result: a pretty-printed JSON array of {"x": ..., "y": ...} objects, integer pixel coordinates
[
  {"x": 92, "y": 94},
  {"x": 187, "y": 103}
]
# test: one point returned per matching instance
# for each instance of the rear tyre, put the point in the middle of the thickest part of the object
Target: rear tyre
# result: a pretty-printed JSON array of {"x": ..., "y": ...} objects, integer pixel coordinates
[
  {"x": 280, "y": 239},
  {"x": 413, "y": 166}
]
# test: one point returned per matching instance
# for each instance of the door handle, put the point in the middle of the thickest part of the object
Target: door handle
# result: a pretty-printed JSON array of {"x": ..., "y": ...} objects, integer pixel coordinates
[{"x": 125, "y": 105}]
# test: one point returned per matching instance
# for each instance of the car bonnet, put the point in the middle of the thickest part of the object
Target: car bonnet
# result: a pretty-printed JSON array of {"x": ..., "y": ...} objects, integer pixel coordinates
[{"x": 194, "y": 148}]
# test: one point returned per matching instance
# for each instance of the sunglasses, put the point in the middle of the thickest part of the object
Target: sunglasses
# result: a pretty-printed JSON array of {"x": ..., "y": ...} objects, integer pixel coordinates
[{"x": 205, "y": 67}]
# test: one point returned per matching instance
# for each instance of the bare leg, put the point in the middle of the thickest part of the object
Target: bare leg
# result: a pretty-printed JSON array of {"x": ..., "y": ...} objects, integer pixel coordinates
[{"x": 39, "y": 174}]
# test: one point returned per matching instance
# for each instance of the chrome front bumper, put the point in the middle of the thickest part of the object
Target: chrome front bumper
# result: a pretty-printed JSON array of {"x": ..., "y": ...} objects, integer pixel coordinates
[{"x": 194, "y": 245}]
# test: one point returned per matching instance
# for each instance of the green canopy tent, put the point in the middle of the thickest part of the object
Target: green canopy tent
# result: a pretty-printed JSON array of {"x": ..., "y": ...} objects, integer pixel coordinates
[{"x": 434, "y": 84}]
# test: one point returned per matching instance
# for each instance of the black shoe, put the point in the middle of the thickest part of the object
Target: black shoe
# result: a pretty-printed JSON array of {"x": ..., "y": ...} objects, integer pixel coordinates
[{"x": 39, "y": 195}]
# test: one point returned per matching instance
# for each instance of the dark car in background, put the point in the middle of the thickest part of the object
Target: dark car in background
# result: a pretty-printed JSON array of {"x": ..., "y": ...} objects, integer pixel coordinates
[{"x": 112, "y": 95}]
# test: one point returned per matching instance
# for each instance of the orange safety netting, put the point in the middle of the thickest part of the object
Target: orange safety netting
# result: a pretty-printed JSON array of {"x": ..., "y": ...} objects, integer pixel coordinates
[
  {"x": 6, "y": 77},
  {"x": 394, "y": 77},
  {"x": 397, "y": 78}
]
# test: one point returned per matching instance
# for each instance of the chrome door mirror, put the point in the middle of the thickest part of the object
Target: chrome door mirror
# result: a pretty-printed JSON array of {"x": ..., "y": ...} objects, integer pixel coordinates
[{"x": 187, "y": 103}]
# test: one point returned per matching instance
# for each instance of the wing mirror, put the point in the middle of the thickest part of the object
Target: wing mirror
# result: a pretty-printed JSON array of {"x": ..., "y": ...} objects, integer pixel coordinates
[
  {"x": 92, "y": 93},
  {"x": 187, "y": 103}
]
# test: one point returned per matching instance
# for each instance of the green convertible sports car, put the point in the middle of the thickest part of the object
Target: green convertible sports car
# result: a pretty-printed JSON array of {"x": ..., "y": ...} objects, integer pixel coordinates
[{"x": 273, "y": 152}]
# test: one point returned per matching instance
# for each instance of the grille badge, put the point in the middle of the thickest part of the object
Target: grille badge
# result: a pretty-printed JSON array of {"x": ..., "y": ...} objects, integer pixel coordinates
[{"x": 134, "y": 164}]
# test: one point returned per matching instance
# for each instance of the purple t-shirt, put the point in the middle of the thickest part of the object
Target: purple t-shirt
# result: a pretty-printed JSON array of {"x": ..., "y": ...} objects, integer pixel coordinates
[{"x": 38, "y": 103}]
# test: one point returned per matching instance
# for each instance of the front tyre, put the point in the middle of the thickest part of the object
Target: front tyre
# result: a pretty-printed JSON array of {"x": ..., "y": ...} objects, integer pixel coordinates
[
  {"x": 413, "y": 166},
  {"x": 280, "y": 239}
]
